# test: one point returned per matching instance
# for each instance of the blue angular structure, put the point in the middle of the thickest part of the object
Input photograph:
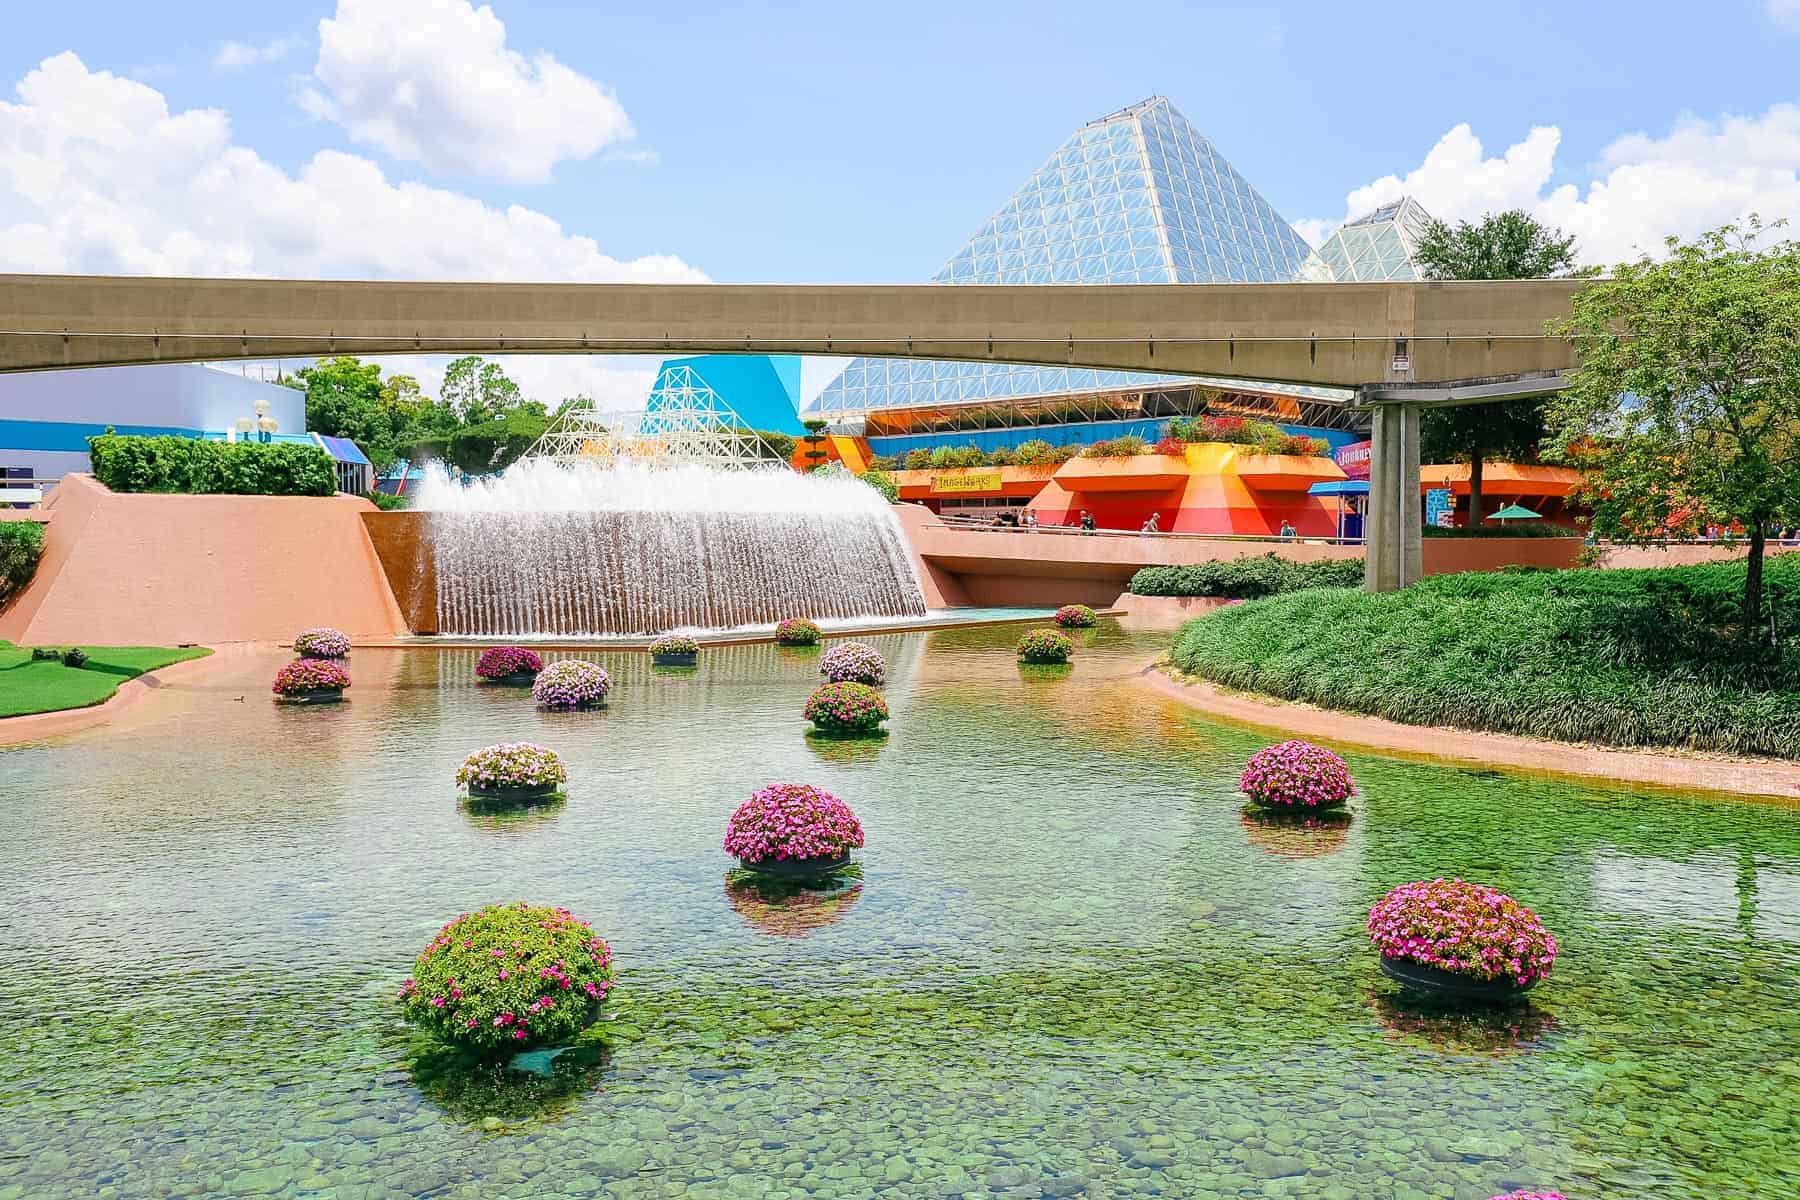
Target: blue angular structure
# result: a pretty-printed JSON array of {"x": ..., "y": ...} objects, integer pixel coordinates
[
  {"x": 763, "y": 389},
  {"x": 1138, "y": 196}
]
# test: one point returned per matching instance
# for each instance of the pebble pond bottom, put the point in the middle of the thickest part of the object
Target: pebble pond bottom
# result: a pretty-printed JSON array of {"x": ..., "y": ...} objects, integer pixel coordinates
[{"x": 1069, "y": 965}]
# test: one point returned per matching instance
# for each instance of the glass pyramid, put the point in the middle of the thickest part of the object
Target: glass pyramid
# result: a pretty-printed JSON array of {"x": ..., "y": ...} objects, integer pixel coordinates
[
  {"x": 1134, "y": 197},
  {"x": 1377, "y": 247}
]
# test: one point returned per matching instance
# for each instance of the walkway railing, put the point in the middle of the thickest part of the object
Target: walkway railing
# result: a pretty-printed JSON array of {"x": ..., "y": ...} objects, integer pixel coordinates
[{"x": 24, "y": 493}]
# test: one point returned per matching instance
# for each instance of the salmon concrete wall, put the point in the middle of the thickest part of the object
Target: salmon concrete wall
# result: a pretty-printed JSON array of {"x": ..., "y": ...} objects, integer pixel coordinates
[
  {"x": 1448, "y": 556},
  {"x": 124, "y": 569},
  {"x": 1680, "y": 556}
]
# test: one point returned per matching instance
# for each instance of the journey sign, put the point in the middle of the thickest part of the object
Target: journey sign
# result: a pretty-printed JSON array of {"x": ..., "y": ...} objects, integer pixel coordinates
[{"x": 966, "y": 481}]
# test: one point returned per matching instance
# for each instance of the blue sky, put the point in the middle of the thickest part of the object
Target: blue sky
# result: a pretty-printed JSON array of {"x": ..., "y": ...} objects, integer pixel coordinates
[{"x": 838, "y": 142}]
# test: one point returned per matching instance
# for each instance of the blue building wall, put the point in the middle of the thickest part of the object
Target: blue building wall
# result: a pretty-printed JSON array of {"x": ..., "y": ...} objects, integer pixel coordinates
[
  {"x": 1081, "y": 434},
  {"x": 46, "y": 417},
  {"x": 763, "y": 389}
]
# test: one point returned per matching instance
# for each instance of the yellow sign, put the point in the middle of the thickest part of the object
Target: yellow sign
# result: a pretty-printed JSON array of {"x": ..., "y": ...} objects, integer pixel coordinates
[{"x": 966, "y": 481}]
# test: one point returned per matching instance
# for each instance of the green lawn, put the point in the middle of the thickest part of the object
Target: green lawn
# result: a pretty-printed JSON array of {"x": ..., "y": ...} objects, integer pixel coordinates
[{"x": 48, "y": 686}]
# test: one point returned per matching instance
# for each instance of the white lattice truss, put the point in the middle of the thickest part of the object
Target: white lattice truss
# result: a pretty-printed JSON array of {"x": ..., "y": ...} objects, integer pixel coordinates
[{"x": 683, "y": 421}]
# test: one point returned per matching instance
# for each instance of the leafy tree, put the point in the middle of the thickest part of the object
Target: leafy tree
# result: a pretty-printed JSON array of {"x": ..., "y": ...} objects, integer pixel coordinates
[
  {"x": 1686, "y": 405},
  {"x": 344, "y": 399},
  {"x": 478, "y": 390},
  {"x": 495, "y": 444},
  {"x": 1508, "y": 245}
]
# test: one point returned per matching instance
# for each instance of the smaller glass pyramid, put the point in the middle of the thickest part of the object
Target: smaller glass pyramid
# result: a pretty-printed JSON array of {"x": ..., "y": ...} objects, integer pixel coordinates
[{"x": 1378, "y": 247}]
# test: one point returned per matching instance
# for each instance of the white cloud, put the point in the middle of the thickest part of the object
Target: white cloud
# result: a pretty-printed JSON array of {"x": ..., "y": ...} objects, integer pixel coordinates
[
  {"x": 616, "y": 384},
  {"x": 433, "y": 82},
  {"x": 1700, "y": 175},
  {"x": 236, "y": 56},
  {"x": 1785, "y": 14},
  {"x": 97, "y": 175}
]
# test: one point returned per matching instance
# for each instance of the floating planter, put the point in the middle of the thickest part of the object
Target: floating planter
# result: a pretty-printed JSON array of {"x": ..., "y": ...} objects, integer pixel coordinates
[
  {"x": 1296, "y": 776},
  {"x": 674, "y": 651},
  {"x": 854, "y": 662},
  {"x": 797, "y": 631},
  {"x": 1075, "y": 616},
  {"x": 1045, "y": 646},
  {"x": 509, "y": 977},
  {"x": 322, "y": 643},
  {"x": 847, "y": 709},
  {"x": 310, "y": 681},
  {"x": 571, "y": 683},
  {"x": 520, "y": 772},
  {"x": 793, "y": 831},
  {"x": 1458, "y": 941},
  {"x": 509, "y": 665}
]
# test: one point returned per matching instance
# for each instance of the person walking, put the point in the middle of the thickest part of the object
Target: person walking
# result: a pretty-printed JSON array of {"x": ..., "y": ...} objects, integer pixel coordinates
[
  {"x": 1030, "y": 521},
  {"x": 1152, "y": 526},
  {"x": 1087, "y": 521},
  {"x": 1287, "y": 529}
]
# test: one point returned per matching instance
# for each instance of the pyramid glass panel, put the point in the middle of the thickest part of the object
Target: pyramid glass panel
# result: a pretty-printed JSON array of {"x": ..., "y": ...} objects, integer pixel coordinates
[
  {"x": 1378, "y": 246},
  {"x": 1109, "y": 206}
]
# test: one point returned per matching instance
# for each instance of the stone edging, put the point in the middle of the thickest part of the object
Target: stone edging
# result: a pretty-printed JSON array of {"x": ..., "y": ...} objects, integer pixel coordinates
[{"x": 1734, "y": 776}]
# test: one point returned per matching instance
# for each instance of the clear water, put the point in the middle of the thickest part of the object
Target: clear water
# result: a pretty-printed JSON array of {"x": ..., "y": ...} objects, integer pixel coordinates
[{"x": 1070, "y": 967}]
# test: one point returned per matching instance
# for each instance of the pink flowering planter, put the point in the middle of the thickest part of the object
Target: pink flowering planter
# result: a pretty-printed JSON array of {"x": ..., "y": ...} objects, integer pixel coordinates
[
  {"x": 310, "y": 681},
  {"x": 1459, "y": 942},
  {"x": 793, "y": 831},
  {"x": 1296, "y": 776},
  {"x": 509, "y": 666}
]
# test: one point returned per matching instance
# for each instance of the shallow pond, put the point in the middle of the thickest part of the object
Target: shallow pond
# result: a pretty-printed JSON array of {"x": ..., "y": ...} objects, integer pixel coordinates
[{"x": 1071, "y": 966}]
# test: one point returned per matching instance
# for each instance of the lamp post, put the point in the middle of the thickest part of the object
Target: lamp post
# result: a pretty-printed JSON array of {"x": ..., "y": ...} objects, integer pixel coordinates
[{"x": 265, "y": 424}]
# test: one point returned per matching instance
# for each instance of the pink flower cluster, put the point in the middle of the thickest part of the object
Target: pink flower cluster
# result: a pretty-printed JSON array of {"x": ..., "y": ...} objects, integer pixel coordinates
[
  {"x": 509, "y": 974},
  {"x": 1296, "y": 774},
  {"x": 791, "y": 820},
  {"x": 797, "y": 631},
  {"x": 1522, "y": 1195},
  {"x": 322, "y": 643},
  {"x": 512, "y": 764},
  {"x": 854, "y": 662},
  {"x": 846, "y": 708},
  {"x": 309, "y": 675},
  {"x": 1465, "y": 928},
  {"x": 500, "y": 661},
  {"x": 1045, "y": 646},
  {"x": 1076, "y": 616},
  {"x": 571, "y": 683}
]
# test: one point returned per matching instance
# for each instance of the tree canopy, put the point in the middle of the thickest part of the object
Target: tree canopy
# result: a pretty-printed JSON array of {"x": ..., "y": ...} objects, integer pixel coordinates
[
  {"x": 392, "y": 418},
  {"x": 1685, "y": 409},
  {"x": 1507, "y": 245}
]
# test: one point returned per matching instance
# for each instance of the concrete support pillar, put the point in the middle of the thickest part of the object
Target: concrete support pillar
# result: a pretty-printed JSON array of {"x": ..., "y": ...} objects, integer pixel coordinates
[{"x": 1393, "y": 552}]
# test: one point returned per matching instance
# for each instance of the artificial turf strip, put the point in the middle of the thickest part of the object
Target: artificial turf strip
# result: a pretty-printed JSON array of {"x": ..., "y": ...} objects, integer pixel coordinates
[
  {"x": 47, "y": 686},
  {"x": 1650, "y": 658}
]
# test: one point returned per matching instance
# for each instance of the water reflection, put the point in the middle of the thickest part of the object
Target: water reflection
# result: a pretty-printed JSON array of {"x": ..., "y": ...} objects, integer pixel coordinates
[
  {"x": 529, "y": 1087},
  {"x": 511, "y": 817},
  {"x": 846, "y": 749},
  {"x": 1295, "y": 835},
  {"x": 792, "y": 908},
  {"x": 1481, "y": 1030}
]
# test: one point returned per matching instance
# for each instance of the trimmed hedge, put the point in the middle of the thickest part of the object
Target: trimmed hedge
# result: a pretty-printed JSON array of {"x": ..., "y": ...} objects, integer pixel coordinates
[
  {"x": 1625, "y": 658},
  {"x": 1247, "y": 577},
  {"x": 1517, "y": 529},
  {"x": 196, "y": 466},
  {"x": 21, "y": 545}
]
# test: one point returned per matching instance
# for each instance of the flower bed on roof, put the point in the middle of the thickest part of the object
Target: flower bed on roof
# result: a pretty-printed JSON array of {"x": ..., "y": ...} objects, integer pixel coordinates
[
  {"x": 305, "y": 675},
  {"x": 1465, "y": 929},
  {"x": 797, "y": 631},
  {"x": 1076, "y": 616},
  {"x": 1296, "y": 775},
  {"x": 322, "y": 642},
  {"x": 854, "y": 662},
  {"x": 846, "y": 708},
  {"x": 509, "y": 977},
  {"x": 571, "y": 683},
  {"x": 512, "y": 765},
  {"x": 1045, "y": 646},
  {"x": 789, "y": 821},
  {"x": 504, "y": 662}
]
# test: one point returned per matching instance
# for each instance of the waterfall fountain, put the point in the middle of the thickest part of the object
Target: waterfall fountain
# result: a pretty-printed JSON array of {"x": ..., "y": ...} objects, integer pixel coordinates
[{"x": 564, "y": 549}]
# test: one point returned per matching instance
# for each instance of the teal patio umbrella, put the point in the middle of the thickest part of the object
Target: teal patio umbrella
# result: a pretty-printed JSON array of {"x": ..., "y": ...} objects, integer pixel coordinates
[{"x": 1515, "y": 512}]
